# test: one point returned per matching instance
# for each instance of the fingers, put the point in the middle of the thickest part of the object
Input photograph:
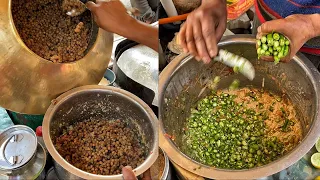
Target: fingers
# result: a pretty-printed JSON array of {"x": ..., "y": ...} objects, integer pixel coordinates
[
  {"x": 289, "y": 56},
  {"x": 182, "y": 37},
  {"x": 208, "y": 31},
  {"x": 190, "y": 41},
  {"x": 91, "y": 6},
  {"x": 286, "y": 59},
  {"x": 200, "y": 42},
  {"x": 221, "y": 28},
  {"x": 270, "y": 26},
  {"x": 147, "y": 175},
  {"x": 267, "y": 58},
  {"x": 271, "y": 59},
  {"x": 128, "y": 173}
]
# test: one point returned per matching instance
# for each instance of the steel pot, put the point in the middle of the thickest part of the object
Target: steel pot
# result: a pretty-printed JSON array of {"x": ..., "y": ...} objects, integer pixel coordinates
[
  {"x": 156, "y": 168},
  {"x": 167, "y": 173},
  {"x": 29, "y": 83},
  {"x": 182, "y": 80},
  {"x": 22, "y": 157},
  {"x": 100, "y": 102}
]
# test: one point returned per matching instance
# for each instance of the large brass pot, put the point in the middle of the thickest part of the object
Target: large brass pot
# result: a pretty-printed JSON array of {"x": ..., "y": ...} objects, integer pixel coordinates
[
  {"x": 184, "y": 78},
  {"x": 28, "y": 82}
]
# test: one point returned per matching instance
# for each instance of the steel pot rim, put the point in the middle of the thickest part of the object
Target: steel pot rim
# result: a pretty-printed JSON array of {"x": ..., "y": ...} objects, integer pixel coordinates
[
  {"x": 290, "y": 158},
  {"x": 80, "y": 173},
  {"x": 166, "y": 167}
]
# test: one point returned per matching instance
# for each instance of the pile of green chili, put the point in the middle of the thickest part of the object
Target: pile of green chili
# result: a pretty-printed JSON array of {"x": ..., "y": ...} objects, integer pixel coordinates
[
  {"x": 274, "y": 44},
  {"x": 226, "y": 134}
]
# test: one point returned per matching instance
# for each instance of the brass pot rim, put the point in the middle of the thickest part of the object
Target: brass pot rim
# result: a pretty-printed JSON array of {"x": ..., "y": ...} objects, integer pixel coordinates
[{"x": 29, "y": 82}]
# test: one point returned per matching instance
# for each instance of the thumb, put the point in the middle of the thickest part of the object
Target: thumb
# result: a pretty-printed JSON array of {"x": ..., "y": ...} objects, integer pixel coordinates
[
  {"x": 91, "y": 5},
  {"x": 270, "y": 26},
  {"x": 273, "y": 25},
  {"x": 147, "y": 175},
  {"x": 128, "y": 173}
]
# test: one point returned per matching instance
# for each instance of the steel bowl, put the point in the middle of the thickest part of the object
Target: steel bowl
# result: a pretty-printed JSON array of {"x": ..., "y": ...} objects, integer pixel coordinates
[
  {"x": 98, "y": 102},
  {"x": 29, "y": 83},
  {"x": 183, "y": 79}
]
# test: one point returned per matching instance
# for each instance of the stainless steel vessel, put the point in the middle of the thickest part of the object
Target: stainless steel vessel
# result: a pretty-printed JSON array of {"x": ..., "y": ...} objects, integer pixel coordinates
[
  {"x": 28, "y": 82},
  {"x": 183, "y": 79},
  {"x": 167, "y": 173},
  {"x": 21, "y": 157},
  {"x": 101, "y": 102}
]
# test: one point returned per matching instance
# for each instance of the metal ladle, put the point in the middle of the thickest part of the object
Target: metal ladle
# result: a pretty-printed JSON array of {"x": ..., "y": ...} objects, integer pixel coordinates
[
  {"x": 74, "y": 7},
  {"x": 77, "y": 7}
]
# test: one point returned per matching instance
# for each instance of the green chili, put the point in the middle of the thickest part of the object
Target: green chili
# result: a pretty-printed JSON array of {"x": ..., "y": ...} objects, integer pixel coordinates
[
  {"x": 227, "y": 134},
  {"x": 270, "y": 50},
  {"x": 258, "y": 42},
  {"x": 264, "y": 47},
  {"x": 276, "y": 36},
  {"x": 287, "y": 42},
  {"x": 281, "y": 42},
  {"x": 263, "y": 39}
]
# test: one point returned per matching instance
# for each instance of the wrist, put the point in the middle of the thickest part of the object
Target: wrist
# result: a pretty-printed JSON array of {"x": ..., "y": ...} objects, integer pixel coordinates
[
  {"x": 315, "y": 18},
  {"x": 214, "y": 1},
  {"x": 127, "y": 27}
]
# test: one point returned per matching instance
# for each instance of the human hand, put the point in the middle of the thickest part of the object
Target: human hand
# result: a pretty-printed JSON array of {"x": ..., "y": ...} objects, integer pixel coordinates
[
  {"x": 110, "y": 15},
  {"x": 297, "y": 28},
  {"x": 203, "y": 29},
  {"x": 129, "y": 175}
]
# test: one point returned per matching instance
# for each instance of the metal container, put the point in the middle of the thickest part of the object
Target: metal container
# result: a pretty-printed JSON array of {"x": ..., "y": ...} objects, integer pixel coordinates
[
  {"x": 167, "y": 173},
  {"x": 166, "y": 169},
  {"x": 183, "y": 79},
  {"x": 108, "y": 78},
  {"x": 29, "y": 82},
  {"x": 51, "y": 174},
  {"x": 136, "y": 67},
  {"x": 98, "y": 102},
  {"x": 21, "y": 156}
]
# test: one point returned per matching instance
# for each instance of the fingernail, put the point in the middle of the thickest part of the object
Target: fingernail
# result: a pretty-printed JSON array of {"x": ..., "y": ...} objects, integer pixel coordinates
[
  {"x": 259, "y": 29},
  {"x": 212, "y": 53},
  {"x": 258, "y": 36},
  {"x": 128, "y": 167},
  {"x": 207, "y": 60},
  {"x": 197, "y": 58}
]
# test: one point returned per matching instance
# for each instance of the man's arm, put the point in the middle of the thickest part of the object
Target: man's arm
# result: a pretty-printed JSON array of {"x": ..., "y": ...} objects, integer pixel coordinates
[
  {"x": 315, "y": 19},
  {"x": 142, "y": 33},
  {"x": 112, "y": 16}
]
